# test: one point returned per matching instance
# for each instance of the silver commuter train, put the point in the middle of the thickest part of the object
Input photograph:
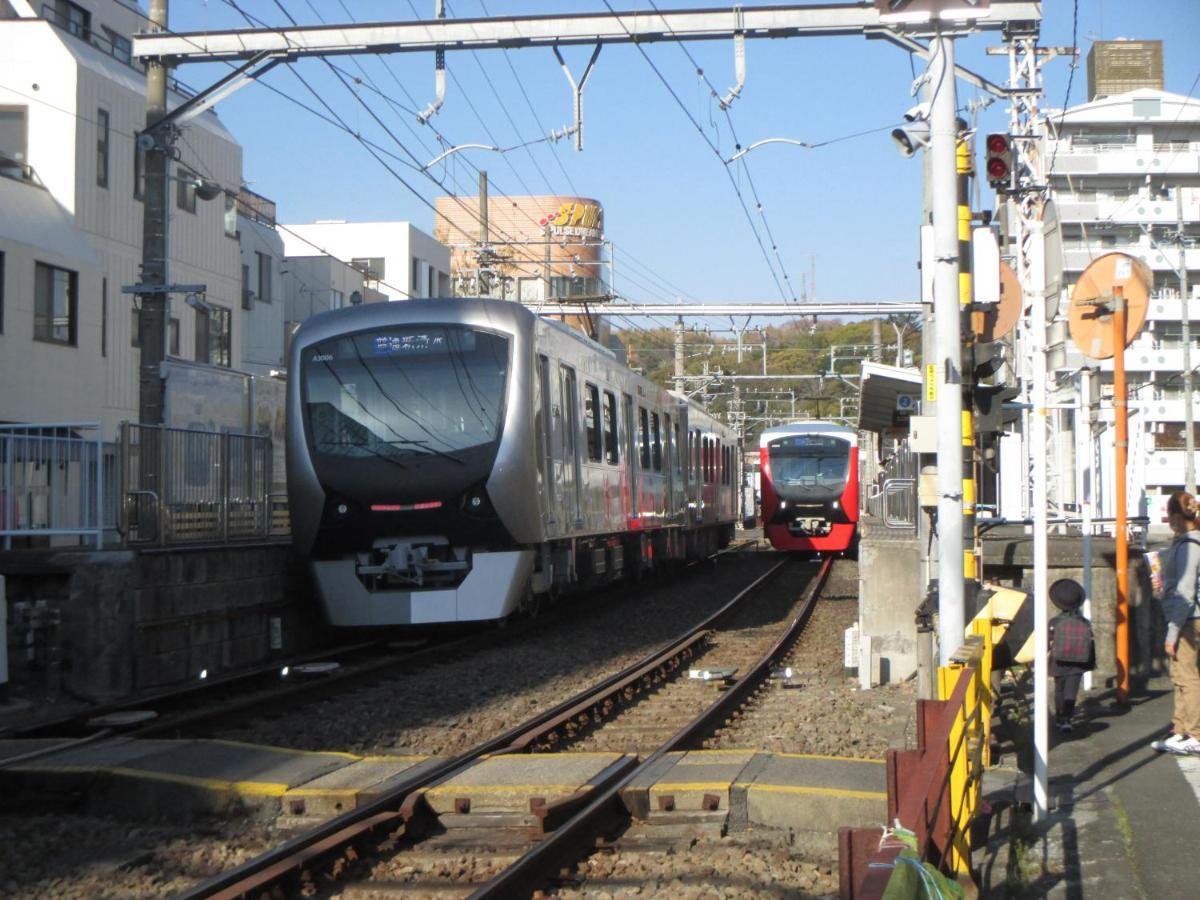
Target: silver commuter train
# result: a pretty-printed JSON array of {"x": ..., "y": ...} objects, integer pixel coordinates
[{"x": 456, "y": 460}]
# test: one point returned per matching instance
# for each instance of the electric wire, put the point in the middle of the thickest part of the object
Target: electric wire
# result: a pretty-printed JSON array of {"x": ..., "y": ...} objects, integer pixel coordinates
[
  {"x": 716, "y": 151},
  {"x": 745, "y": 165}
]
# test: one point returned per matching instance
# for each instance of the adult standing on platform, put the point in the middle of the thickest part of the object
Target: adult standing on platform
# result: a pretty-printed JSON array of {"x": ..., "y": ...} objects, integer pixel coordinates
[{"x": 1181, "y": 569}]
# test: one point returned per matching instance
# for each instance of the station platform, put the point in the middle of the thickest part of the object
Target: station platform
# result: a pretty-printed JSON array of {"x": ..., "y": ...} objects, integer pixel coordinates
[
  {"x": 1123, "y": 817},
  {"x": 810, "y": 796}
]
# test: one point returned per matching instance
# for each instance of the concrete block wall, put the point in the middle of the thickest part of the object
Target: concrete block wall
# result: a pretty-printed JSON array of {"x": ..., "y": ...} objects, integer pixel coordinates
[
  {"x": 211, "y": 610},
  {"x": 138, "y": 620}
]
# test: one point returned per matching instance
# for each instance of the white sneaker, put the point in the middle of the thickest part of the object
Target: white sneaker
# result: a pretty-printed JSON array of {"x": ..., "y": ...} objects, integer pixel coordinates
[
  {"x": 1188, "y": 747},
  {"x": 1171, "y": 744}
]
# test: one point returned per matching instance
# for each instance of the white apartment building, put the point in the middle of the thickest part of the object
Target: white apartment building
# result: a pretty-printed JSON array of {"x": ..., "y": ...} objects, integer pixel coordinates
[
  {"x": 71, "y": 103},
  {"x": 1126, "y": 169},
  {"x": 399, "y": 261},
  {"x": 263, "y": 295}
]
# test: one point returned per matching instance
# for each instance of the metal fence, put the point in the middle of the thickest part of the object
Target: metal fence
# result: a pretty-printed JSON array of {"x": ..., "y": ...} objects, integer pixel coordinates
[
  {"x": 892, "y": 497},
  {"x": 181, "y": 486},
  {"x": 51, "y": 482}
]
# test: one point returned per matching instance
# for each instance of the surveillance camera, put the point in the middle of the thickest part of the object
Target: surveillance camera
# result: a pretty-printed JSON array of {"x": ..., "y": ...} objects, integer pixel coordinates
[
  {"x": 911, "y": 138},
  {"x": 920, "y": 112}
]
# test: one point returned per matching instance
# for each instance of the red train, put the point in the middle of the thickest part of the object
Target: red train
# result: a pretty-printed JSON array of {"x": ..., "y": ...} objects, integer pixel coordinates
[{"x": 810, "y": 487}]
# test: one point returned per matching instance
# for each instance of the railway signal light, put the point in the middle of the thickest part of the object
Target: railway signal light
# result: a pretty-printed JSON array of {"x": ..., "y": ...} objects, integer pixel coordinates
[{"x": 999, "y": 161}]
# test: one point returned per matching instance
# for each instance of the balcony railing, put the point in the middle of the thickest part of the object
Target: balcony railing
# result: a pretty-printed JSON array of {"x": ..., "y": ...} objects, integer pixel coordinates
[
  {"x": 120, "y": 50},
  {"x": 19, "y": 171}
]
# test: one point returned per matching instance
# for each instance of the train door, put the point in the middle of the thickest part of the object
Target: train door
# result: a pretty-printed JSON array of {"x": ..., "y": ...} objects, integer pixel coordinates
[
  {"x": 631, "y": 453},
  {"x": 545, "y": 440},
  {"x": 569, "y": 445}
]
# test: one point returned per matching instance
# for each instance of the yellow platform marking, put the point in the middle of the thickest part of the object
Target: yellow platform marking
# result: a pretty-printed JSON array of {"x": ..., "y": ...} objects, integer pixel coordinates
[
  {"x": 247, "y": 788},
  {"x": 818, "y": 791},
  {"x": 849, "y": 759},
  {"x": 552, "y": 754}
]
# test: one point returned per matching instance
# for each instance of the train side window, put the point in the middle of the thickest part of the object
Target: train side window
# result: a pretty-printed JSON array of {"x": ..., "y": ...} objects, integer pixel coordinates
[
  {"x": 569, "y": 401},
  {"x": 706, "y": 459},
  {"x": 610, "y": 428},
  {"x": 676, "y": 448},
  {"x": 591, "y": 420},
  {"x": 725, "y": 466},
  {"x": 697, "y": 475},
  {"x": 644, "y": 437},
  {"x": 656, "y": 442},
  {"x": 718, "y": 463}
]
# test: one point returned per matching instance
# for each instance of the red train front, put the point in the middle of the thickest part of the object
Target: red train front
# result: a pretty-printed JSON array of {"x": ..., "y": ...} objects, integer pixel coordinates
[{"x": 810, "y": 486}]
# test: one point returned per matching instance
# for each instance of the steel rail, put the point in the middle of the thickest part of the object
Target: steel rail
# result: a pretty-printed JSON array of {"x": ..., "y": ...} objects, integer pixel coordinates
[
  {"x": 388, "y": 810},
  {"x": 578, "y": 835}
]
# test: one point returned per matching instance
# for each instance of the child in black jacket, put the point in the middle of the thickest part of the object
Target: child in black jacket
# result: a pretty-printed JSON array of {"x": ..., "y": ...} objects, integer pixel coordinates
[{"x": 1072, "y": 649}]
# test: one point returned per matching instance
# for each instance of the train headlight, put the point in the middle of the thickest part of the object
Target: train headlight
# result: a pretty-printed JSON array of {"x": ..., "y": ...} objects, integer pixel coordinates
[
  {"x": 342, "y": 509},
  {"x": 835, "y": 505},
  {"x": 475, "y": 502}
]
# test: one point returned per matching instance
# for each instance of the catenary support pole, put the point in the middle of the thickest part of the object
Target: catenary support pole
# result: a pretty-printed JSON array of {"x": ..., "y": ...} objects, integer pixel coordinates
[
  {"x": 679, "y": 383},
  {"x": 948, "y": 342},
  {"x": 155, "y": 249},
  {"x": 1041, "y": 556},
  {"x": 1121, "y": 414},
  {"x": 1185, "y": 327}
]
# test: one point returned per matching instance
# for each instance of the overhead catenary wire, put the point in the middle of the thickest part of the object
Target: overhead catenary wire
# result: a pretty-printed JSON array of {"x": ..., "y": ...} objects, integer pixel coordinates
[
  {"x": 717, "y": 152},
  {"x": 331, "y": 117}
]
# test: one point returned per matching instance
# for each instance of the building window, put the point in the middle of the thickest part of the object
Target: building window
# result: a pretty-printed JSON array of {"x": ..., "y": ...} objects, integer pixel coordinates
[
  {"x": 1, "y": 293},
  {"x": 213, "y": 336},
  {"x": 122, "y": 47},
  {"x": 13, "y": 134},
  {"x": 173, "y": 336},
  {"x": 247, "y": 294},
  {"x": 264, "y": 277},
  {"x": 231, "y": 229},
  {"x": 54, "y": 304},
  {"x": 372, "y": 267},
  {"x": 104, "y": 317},
  {"x": 102, "y": 148},
  {"x": 336, "y": 299},
  {"x": 75, "y": 19},
  {"x": 185, "y": 189}
]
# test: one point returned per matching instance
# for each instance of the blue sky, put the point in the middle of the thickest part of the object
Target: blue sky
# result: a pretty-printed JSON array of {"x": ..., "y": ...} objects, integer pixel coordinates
[{"x": 674, "y": 217}]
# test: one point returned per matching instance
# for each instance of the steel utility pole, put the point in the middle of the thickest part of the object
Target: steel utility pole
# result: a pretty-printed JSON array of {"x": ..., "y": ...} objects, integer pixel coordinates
[
  {"x": 155, "y": 249},
  {"x": 1189, "y": 425},
  {"x": 947, "y": 343},
  {"x": 679, "y": 383}
]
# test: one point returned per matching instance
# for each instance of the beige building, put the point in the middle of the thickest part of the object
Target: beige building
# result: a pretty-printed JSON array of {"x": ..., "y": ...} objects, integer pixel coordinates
[{"x": 536, "y": 248}]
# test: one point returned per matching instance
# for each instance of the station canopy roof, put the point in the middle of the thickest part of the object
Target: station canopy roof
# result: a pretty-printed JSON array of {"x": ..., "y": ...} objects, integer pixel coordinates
[{"x": 880, "y": 403}]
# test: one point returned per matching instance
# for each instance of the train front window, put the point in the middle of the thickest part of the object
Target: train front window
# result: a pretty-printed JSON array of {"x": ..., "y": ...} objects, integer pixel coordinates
[
  {"x": 812, "y": 461},
  {"x": 404, "y": 392}
]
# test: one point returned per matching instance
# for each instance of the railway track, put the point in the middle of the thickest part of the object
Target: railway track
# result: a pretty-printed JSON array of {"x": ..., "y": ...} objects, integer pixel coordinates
[
  {"x": 223, "y": 701},
  {"x": 673, "y": 699}
]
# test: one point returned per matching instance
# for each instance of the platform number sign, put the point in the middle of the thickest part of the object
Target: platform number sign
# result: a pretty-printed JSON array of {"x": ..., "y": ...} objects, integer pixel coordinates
[{"x": 906, "y": 404}]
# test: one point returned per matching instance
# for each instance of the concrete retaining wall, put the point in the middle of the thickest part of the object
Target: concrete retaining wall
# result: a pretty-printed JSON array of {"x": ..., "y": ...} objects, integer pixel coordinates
[{"x": 136, "y": 620}]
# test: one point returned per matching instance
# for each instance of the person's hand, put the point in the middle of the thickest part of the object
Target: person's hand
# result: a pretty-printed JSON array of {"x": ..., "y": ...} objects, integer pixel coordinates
[{"x": 1170, "y": 648}]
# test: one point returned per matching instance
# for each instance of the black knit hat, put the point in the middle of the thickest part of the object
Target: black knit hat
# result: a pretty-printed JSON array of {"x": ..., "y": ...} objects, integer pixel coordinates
[{"x": 1066, "y": 594}]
